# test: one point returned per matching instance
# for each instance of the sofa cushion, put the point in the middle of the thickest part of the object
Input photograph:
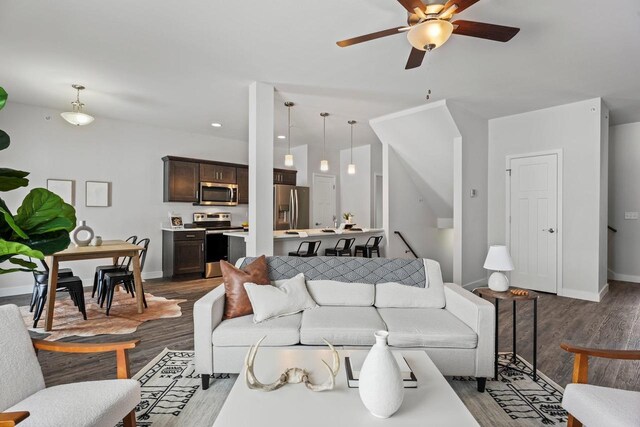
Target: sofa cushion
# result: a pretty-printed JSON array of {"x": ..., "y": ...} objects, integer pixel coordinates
[
  {"x": 241, "y": 331},
  {"x": 602, "y": 406},
  {"x": 91, "y": 403},
  {"x": 331, "y": 292},
  {"x": 397, "y": 295},
  {"x": 288, "y": 297},
  {"x": 426, "y": 327},
  {"x": 340, "y": 325}
]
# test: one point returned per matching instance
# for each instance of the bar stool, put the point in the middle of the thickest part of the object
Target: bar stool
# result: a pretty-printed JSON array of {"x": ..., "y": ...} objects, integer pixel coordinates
[
  {"x": 118, "y": 265},
  {"x": 62, "y": 272},
  {"x": 344, "y": 250},
  {"x": 312, "y": 249},
  {"x": 73, "y": 285},
  {"x": 372, "y": 245}
]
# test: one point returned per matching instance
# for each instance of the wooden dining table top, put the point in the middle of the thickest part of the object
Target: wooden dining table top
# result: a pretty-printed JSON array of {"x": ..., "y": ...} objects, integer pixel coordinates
[{"x": 108, "y": 249}]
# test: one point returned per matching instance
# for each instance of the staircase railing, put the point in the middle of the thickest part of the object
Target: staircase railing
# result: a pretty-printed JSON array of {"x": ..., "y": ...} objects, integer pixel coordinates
[{"x": 410, "y": 249}]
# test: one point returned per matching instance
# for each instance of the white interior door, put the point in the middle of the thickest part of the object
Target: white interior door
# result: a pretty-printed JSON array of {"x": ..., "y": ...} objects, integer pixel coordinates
[
  {"x": 324, "y": 200},
  {"x": 533, "y": 228}
]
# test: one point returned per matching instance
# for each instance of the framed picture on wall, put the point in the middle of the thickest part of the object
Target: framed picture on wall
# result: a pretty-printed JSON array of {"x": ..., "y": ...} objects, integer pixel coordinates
[
  {"x": 97, "y": 194},
  {"x": 65, "y": 188}
]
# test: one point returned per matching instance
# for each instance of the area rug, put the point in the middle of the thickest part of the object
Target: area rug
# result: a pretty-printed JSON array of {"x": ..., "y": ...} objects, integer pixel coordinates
[
  {"x": 172, "y": 396},
  {"x": 123, "y": 317}
]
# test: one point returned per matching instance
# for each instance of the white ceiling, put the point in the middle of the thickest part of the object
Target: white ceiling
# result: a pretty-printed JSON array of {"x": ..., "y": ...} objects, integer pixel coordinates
[{"x": 187, "y": 63}]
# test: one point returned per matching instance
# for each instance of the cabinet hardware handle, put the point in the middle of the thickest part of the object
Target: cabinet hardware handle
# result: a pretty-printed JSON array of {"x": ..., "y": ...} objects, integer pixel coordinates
[{"x": 191, "y": 235}]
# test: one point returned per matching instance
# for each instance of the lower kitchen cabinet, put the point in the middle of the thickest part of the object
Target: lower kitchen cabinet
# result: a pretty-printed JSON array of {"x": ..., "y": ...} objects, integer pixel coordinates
[{"x": 182, "y": 252}]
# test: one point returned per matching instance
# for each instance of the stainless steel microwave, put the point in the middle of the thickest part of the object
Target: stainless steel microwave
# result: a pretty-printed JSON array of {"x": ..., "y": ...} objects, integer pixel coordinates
[{"x": 212, "y": 193}]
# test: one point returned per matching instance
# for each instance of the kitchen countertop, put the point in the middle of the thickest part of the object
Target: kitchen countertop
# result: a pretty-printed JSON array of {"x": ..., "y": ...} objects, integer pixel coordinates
[
  {"x": 314, "y": 232},
  {"x": 183, "y": 229}
]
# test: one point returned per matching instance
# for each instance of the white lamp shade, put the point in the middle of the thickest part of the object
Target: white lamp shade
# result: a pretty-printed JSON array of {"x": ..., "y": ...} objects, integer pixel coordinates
[
  {"x": 288, "y": 160},
  {"x": 351, "y": 169},
  {"x": 433, "y": 32},
  {"x": 77, "y": 118},
  {"x": 324, "y": 165},
  {"x": 498, "y": 259}
]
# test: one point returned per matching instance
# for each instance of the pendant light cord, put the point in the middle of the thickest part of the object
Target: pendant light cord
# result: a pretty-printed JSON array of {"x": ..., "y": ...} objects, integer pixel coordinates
[
  {"x": 289, "y": 129},
  {"x": 351, "y": 143},
  {"x": 324, "y": 137}
]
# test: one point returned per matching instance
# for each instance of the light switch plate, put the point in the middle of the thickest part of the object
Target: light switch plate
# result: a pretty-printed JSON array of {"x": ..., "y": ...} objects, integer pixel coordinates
[{"x": 631, "y": 215}]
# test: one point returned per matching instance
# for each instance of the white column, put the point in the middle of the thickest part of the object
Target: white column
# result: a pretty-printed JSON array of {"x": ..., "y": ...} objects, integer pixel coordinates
[{"x": 261, "y": 117}]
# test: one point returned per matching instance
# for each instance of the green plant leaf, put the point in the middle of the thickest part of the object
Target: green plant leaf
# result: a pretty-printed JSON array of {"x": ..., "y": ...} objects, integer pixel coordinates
[
  {"x": 10, "y": 179},
  {"x": 23, "y": 263},
  {"x": 39, "y": 207},
  {"x": 49, "y": 243},
  {"x": 5, "y": 141},
  {"x": 12, "y": 224},
  {"x": 60, "y": 223},
  {"x": 3, "y": 97},
  {"x": 16, "y": 248},
  {"x": 13, "y": 270}
]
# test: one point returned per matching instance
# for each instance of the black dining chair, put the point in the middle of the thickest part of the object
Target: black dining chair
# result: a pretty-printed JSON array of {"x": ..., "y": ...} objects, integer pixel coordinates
[
  {"x": 120, "y": 264},
  {"x": 342, "y": 248},
  {"x": 70, "y": 284},
  {"x": 312, "y": 247},
  {"x": 35, "y": 294},
  {"x": 124, "y": 278},
  {"x": 372, "y": 245}
]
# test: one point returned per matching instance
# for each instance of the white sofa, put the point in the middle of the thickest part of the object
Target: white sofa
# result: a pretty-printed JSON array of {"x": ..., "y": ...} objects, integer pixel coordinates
[{"x": 356, "y": 297}]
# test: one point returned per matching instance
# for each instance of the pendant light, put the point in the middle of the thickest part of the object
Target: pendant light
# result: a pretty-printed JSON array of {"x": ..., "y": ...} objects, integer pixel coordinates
[
  {"x": 324, "y": 163},
  {"x": 351, "y": 169},
  {"x": 288, "y": 158},
  {"x": 77, "y": 117}
]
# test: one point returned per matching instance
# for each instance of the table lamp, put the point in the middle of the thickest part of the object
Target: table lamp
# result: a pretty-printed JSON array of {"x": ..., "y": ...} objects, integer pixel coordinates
[{"x": 498, "y": 260}]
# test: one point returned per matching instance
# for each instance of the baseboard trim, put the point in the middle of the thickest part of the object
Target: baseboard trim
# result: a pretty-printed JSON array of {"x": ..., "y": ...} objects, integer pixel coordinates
[
  {"x": 584, "y": 295},
  {"x": 623, "y": 277},
  {"x": 87, "y": 282},
  {"x": 475, "y": 284}
]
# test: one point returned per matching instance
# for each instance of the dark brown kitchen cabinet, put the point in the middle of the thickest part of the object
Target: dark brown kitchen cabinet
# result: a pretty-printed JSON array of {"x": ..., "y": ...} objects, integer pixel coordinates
[
  {"x": 217, "y": 173},
  {"x": 182, "y": 253},
  {"x": 242, "y": 178},
  {"x": 284, "y": 176},
  {"x": 181, "y": 181}
]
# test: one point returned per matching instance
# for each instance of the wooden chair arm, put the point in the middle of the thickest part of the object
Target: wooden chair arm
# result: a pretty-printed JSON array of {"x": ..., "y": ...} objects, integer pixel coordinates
[
  {"x": 10, "y": 419},
  {"x": 122, "y": 358},
  {"x": 597, "y": 352}
]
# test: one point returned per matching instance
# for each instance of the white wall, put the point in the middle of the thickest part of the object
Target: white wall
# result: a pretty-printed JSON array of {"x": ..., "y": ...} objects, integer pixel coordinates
[
  {"x": 576, "y": 129},
  {"x": 356, "y": 190},
  {"x": 126, "y": 154},
  {"x": 624, "y": 196}
]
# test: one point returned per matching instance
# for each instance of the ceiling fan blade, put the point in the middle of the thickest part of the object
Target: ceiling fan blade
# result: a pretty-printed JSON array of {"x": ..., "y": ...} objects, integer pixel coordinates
[
  {"x": 462, "y": 4},
  {"x": 481, "y": 30},
  {"x": 415, "y": 58},
  {"x": 411, "y": 5},
  {"x": 372, "y": 36}
]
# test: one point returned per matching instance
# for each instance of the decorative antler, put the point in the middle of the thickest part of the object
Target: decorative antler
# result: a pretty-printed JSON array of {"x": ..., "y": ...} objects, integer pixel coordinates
[{"x": 291, "y": 375}]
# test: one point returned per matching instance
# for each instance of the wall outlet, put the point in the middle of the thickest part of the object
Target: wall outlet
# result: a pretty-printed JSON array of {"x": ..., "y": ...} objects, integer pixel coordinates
[
  {"x": 631, "y": 215},
  {"x": 474, "y": 193}
]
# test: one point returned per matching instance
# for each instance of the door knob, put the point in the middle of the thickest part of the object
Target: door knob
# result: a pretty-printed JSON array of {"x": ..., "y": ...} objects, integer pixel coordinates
[
  {"x": 550, "y": 230},
  {"x": 317, "y": 223}
]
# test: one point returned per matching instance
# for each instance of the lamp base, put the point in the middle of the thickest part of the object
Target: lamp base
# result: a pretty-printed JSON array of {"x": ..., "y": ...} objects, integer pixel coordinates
[{"x": 498, "y": 282}]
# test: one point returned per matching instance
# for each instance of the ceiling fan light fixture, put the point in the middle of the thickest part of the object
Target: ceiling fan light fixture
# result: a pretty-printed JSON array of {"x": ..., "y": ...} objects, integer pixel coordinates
[
  {"x": 434, "y": 6},
  {"x": 77, "y": 117},
  {"x": 430, "y": 34}
]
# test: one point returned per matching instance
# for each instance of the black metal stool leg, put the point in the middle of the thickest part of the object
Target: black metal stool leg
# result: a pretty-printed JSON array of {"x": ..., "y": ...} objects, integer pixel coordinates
[
  {"x": 513, "y": 358},
  {"x": 40, "y": 303}
]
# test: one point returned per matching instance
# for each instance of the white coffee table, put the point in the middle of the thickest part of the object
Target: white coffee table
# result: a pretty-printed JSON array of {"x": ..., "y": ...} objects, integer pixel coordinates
[{"x": 433, "y": 403}]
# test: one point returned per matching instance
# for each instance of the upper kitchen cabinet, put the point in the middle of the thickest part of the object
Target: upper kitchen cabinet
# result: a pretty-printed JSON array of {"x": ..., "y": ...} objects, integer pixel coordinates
[
  {"x": 284, "y": 176},
  {"x": 242, "y": 177},
  {"x": 181, "y": 180},
  {"x": 217, "y": 173}
]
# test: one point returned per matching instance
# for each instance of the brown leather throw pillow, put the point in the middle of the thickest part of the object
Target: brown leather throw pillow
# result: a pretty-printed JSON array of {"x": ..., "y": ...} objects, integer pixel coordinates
[{"x": 236, "y": 299}]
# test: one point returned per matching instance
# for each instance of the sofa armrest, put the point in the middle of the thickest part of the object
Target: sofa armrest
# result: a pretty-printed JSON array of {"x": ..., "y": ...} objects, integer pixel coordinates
[
  {"x": 207, "y": 315},
  {"x": 479, "y": 315}
]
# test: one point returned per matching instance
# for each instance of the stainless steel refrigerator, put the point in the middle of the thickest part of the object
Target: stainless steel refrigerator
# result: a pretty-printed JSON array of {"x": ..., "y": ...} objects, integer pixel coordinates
[{"x": 290, "y": 207}]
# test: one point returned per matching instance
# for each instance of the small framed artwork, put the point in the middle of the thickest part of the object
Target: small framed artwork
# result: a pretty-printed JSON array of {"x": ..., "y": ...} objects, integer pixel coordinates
[
  {"x": 97, "y": 194},
  {"x": 65, "y": 188},
  {"x": 176, "y": 221}
]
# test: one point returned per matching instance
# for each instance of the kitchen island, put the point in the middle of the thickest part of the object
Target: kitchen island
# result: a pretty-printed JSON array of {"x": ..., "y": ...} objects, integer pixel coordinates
[{"x": 283, "y": 242}]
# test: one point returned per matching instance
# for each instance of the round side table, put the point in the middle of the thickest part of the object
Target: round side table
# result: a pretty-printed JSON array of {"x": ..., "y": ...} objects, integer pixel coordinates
[{"x": 508, "y": 296}]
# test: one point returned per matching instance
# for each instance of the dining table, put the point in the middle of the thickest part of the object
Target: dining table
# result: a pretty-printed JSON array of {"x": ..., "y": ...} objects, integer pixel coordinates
[{"x": 109, "y": 249}]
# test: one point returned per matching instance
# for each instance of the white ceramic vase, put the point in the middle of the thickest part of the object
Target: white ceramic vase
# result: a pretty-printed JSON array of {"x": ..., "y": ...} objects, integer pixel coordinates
[
  {"x": 75, "y": 234},
  {"x": 380, "y": 384}
]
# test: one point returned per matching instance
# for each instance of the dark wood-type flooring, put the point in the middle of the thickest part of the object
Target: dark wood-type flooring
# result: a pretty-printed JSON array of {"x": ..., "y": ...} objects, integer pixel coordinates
[{"x": 612, "y": 323}]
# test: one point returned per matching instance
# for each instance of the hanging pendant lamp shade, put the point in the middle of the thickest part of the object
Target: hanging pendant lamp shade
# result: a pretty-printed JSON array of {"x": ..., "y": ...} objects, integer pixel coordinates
[
  {"x": 77, "y": 117},
  {"x": 324, "y": 163},
  {"x": 288, "y": 158},
  {"x": 351, "y": 169}
]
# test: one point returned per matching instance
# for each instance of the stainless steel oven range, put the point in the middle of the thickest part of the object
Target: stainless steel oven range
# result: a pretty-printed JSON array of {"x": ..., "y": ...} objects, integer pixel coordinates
[{"x": 216, "y": 244}]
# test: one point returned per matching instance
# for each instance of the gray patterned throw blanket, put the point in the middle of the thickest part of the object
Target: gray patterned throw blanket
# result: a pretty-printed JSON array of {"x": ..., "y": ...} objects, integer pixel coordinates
[{"x": 409, "y": 272}]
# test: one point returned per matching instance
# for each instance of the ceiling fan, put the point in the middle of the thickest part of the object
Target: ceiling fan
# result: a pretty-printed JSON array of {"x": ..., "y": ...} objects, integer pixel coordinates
[{"x": 430, "y": 27}]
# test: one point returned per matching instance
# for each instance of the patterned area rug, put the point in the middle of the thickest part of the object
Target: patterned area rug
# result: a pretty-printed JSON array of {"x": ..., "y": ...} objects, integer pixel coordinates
[
  {"x": 172, "y": 396},
  {"x": 123, "y": 317}
]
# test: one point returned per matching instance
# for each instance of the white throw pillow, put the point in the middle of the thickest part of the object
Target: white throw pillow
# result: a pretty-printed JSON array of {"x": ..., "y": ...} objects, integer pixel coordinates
[{"x": 287, "y": 297}]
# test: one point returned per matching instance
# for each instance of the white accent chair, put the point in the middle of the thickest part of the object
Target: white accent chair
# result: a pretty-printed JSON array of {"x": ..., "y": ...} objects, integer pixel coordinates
[
  {"x": 25, "y": 400},
  {"x": 599, "y": 406}
]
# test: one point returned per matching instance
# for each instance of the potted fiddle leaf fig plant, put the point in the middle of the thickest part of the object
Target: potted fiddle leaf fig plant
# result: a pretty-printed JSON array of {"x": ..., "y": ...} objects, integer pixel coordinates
[{"x": 41, "y": 224}]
